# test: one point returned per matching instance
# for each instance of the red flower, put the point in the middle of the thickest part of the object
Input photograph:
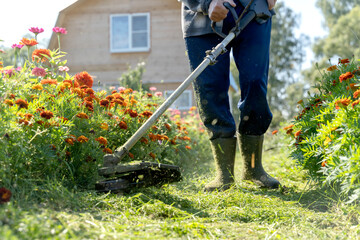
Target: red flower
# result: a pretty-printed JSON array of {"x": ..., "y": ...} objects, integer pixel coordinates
[
  {"x": 152, "y": 155},
  {"x": 131, "y": 155},
  {"x": 5, "y": 195},
  {"x": 84, "y": 78}
]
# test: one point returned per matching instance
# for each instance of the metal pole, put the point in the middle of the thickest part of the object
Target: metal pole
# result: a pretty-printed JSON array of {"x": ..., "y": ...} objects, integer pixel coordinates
[{"x": 121, "y": 152}]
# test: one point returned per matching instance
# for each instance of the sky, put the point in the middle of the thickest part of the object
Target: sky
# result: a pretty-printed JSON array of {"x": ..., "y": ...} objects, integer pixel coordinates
[{"x": 15, "y": 20}]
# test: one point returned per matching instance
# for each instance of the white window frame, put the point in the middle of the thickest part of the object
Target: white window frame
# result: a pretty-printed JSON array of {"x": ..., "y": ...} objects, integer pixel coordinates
[
  {"x": 130, "y": 49},
  {"x": 167, "y": 94}
]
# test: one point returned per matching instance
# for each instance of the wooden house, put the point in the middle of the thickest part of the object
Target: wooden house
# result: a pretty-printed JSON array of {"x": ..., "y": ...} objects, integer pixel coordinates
[{"x": 106, "y": 37}]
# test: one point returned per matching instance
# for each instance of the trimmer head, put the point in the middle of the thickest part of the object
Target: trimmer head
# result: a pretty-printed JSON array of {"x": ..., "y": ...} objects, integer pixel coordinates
[{"x": 124, "y": 177}]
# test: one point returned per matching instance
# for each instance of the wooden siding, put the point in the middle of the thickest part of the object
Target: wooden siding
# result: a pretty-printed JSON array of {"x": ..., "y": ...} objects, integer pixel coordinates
[{"x": 88, "y": 40}]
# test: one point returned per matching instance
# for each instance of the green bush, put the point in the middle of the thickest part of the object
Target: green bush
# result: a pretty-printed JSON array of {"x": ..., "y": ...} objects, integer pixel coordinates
[
  {"x": 56, "y": 127},
  {"x": 326, "y": 133}
]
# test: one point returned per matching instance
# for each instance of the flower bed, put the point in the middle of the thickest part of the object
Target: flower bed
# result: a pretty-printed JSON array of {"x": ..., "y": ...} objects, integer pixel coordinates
[
  {"x": 55, "y": 126},
  {"x": 326, "y": 133}
]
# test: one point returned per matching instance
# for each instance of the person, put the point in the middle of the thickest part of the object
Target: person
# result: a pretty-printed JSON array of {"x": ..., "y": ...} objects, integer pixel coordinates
[{"x": 250, "y": 51}]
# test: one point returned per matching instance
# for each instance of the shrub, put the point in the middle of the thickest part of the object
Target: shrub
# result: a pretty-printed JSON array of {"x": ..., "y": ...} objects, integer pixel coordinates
[{"x": 326, "y": 133}]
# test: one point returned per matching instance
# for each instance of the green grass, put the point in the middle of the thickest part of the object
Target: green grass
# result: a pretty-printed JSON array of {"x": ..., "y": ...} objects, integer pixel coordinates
[{"x": 184, "y": 211}]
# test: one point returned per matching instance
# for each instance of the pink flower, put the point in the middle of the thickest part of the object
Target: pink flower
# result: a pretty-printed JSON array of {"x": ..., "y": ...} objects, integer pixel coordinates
[
  {"x": 63, "y": 69},
  {"x": 40, "y": 72},
  {"x": 59, "y": 30},
  {"x": 36, "y": 30},
  {"x": 112, "y": 88},
  {"x": 153, "y": 89},
  {"x": 19, "y": 46},
  {"x": 158, "y": 94},
  {"x": 121, "y": 88},
  {"x": 9, "y": 72}
]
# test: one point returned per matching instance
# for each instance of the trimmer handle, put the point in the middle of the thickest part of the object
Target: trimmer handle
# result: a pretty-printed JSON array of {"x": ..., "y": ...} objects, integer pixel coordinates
[{"x": 234, "y": 14}]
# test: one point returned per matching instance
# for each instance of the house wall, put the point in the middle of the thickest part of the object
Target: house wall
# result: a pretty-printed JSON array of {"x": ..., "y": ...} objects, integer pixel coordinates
[{"x": 88, "y": 40}]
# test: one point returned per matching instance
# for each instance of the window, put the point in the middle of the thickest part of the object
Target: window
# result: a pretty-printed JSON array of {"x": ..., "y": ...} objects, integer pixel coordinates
[
  {"x": 184, "y": 101},
  {"x": 130, "y": 32}
]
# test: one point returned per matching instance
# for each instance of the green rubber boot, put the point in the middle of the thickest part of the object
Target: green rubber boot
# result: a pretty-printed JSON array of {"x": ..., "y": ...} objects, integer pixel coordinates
[
  {"x": 223, "y": 150},
  {"x": 251, "y": 151}
]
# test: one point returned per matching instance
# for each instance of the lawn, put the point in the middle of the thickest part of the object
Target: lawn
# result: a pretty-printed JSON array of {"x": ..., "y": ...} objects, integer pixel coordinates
[{"x": 183, "y": 210}]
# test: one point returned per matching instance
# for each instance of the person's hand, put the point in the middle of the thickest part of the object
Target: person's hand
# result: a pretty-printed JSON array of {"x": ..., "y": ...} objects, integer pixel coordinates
[
  {"x": 271, "y": 4},
  {"x": 217, "y": 11}
]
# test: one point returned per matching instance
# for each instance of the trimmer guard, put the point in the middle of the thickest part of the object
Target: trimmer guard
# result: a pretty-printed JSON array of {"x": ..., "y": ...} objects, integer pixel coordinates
[{"x": 137, "y": 174}]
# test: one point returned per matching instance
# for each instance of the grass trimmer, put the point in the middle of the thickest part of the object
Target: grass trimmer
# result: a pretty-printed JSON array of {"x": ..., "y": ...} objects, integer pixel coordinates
[{"x": 121, "y": 177}]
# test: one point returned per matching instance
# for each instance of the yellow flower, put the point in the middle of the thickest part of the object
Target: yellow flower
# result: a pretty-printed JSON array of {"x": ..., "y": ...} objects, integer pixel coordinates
[
  {"x": 37, "y": 87},
  {"x": 104, "y": 126}
]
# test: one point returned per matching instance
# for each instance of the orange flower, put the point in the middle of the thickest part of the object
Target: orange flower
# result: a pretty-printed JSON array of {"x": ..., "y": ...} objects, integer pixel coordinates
[
  {"x": 168, "y": 127},
  {"x": 22, "y": 103},
  {"x": 82, "y": 115},
  {"x": 188, "y": 147},
  {"x": 133, "y": 113},
  {"x": 123, "y": 125},
  {"x": 101, "y": 140},
  {"x": 73, "y": 84},
  {"x": 41, "y": 55},
  {"x": 342, "y": 103},
  {"x": 343, "y": 61},
  {"x": 9, "y": 102},
  {"x": 298, "y": 133},
  {"x": 146, "y": 114},
  {"x": 37, "y": 87},
  {"x": 332, "y": 68},
  {"x": 28, "y": 42},
  {"x": 355, "y": 103},
  {"x": 152, "y": 155},
  {"x": 28, "y": 116},
  {"x": 288, "y": 127},
  {"x": 82, "y": 139},
  {"x": 69, "y": 141},
  {"x": 323, "y": 164},
  {"x": 49, "y": 81},
  {"x": 107, "y": 151},
  {"x": 104, "y": 126},
  {"x": 193, "y": 108},
  {"x": 5, "y": 195},
  {"x": 275, "y": 132},
  {"x": 346, "y": 76},
  {"x": 131, "y": 155},
  {"x": 144, "y": 140},
  {"x": 84, "y": 78},
  {"x": 104, "y": 103},
  {"x": 46, "y": 114},
  {"x": 357, "y": 93}
]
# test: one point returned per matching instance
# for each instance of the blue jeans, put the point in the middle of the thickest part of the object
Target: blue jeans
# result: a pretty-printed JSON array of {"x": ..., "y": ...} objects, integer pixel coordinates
[{"x": 251, "y": 54}]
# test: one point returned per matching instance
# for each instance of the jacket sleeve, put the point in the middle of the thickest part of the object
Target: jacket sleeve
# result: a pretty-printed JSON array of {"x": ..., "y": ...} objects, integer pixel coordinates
[{"x": 197, "y": 5}]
